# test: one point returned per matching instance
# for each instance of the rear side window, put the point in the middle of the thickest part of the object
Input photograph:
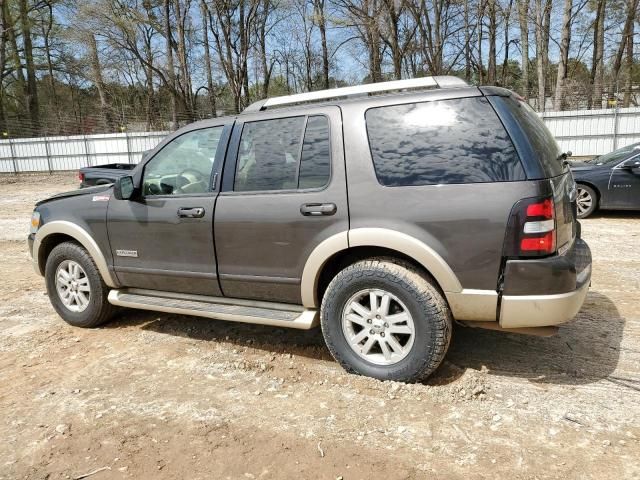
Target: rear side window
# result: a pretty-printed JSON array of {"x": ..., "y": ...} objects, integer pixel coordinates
[
  {"x": 283, "y": 154},
  {"x": 441, "y": 142},
  {"x": 316, "y": 157}
]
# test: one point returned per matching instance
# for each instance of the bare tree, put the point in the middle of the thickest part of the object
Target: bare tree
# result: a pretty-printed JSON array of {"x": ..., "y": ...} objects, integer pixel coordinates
[
  {"x": 564, "y": 55},
  {"x": 543, "y": 21},
  {"x": 597, "y": 64},
  {"x": 523, "y": 17},
  {"x": 211, "y": 93},
  {"x": 171, "y": 73},
  {"x": 32, "y": 87},
  {"x": 320, "y": 19}
]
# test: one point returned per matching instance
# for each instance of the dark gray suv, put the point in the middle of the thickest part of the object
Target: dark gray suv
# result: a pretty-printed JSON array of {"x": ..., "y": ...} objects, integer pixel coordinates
[{"x": 383, "y": 212}]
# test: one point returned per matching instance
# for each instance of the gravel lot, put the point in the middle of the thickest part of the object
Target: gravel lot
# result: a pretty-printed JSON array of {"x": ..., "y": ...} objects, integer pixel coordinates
[{"x": 164, "y": 396}]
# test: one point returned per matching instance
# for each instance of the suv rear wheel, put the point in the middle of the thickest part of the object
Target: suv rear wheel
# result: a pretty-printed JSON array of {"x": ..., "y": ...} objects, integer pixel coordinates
[
  {"x": 75, "y": 287},
  {"x": 382, "y": 319}
]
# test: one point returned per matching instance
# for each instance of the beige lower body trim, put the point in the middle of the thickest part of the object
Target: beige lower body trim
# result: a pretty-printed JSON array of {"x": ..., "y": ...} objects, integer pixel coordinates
[
  {"x": 316, "y": 260},
  {"x": 518, "y": 311},
  {"x": 473, "y": 305},
  {"x": 81, "y": 236},
  {"x": 410, "y": 246}
]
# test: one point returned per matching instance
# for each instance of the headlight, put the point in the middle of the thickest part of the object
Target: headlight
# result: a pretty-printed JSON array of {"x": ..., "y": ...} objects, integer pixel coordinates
[{"x": 35, "y": 222}]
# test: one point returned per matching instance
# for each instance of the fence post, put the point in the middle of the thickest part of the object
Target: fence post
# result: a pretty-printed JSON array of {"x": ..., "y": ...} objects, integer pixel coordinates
[
  {"x": 615, "y": 126},
  {"x": 48, "y": 152},
  {"x": 14, "y": 162},
  {"x": 86, "y": 149},
  {"x": 126, "y": 136}
]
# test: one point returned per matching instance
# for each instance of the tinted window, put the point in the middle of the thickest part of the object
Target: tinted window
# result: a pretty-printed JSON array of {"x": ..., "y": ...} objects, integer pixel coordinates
[
  {"x": 274, "y": 156},
  {"x": 542, "y": 142},
  {"x": 316, "y": 158},
  {"x": 184, "y": 165},
  {"x": 442, "y": 142},
  {"x": 268, "y": 156}
]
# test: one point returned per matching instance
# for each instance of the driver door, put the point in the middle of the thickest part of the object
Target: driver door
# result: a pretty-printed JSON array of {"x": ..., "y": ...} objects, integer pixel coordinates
[
  {"x": 163, "y": 238},
  {"x": 624, "y": 184}
]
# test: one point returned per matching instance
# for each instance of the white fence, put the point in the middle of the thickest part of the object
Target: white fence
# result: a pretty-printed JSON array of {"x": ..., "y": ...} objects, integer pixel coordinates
[
  {"x": 594, "y": 132},
  {"x": 49, "y": 154},
  {"x": 584, "y": 132}
]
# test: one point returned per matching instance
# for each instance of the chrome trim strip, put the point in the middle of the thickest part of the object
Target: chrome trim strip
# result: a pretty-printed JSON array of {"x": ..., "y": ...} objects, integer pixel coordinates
[
  {"x": 518, "y": 311},
  {"x": 259, "y": 279},
  {"x": 473, "y": 305},
  {"x": 81, "y": 236},
  {"x": 166, "y": 273},
  {"x": 306, "y": 320}
]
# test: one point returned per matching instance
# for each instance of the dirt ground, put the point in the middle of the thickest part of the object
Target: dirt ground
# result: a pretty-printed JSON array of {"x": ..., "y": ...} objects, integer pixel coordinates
[{"x": 163, "y": 396}]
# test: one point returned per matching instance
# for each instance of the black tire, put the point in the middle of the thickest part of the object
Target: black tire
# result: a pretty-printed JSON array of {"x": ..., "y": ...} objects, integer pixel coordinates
[
  {"x": 592, "y": 194},
  {"x": 98, "y": 310},
  {"x": 430, "y": 312}
]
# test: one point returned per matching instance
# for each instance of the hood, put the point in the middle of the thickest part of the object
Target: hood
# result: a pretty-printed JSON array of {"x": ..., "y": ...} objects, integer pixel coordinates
[
  {"x": 582, "y": 166},
  {"x": 75, "y": 193}
]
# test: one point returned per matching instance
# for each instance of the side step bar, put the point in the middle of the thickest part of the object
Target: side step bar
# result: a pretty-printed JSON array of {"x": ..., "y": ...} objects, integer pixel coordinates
[{"x": 234, "y": 310}]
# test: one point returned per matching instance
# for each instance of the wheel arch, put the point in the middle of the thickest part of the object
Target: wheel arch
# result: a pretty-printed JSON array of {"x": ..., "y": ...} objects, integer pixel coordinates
[
  {"x": 343, "y": 249},
  {"x": 54, "y": 233}
]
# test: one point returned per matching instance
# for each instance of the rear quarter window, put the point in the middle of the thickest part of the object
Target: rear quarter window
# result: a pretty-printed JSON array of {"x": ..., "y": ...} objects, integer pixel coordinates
[
  {"x": 441, "y": 142},
  {"x": 542, "y": 146}
]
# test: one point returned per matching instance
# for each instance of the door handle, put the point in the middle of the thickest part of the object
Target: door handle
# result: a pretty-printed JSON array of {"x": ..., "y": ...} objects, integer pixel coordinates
[
  {"x": 317, "y": 209},
  {"x": 191, "y": 212}
]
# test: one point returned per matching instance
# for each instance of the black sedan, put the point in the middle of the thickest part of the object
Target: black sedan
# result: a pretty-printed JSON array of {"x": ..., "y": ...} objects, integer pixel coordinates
[{"x": 609, "y": 182}]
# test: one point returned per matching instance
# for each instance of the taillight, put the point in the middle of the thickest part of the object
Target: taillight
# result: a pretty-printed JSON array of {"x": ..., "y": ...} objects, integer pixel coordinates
[
  {"x": 81, "y": 176},
  {"x": 532, "y": 228}
]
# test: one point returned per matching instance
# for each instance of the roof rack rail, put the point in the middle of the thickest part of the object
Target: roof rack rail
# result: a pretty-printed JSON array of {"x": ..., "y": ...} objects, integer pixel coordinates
[{"x": 444, "y": 81}]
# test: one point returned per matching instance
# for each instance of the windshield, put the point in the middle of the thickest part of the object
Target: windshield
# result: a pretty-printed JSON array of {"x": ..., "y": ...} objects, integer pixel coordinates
[{"x": 616, "y": 155}]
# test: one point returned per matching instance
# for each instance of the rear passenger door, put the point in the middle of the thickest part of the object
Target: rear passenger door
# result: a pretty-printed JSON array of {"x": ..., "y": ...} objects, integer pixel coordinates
[{"x": 283, "y": 193}]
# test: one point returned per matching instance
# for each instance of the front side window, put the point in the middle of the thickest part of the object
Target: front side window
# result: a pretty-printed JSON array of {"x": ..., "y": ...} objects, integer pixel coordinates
[
  {"x": 283, "y": 154},
  {"x": 184, "y": 165},
  {"x": 441, "y": 142}
]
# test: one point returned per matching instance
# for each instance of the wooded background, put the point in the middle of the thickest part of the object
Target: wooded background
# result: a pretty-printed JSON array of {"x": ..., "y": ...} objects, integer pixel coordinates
[{"x": 81, "y": 67}]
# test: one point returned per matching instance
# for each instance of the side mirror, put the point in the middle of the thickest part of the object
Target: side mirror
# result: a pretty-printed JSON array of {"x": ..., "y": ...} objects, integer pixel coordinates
[
  {"x": 123, "y": 188},
  {"x": 633, "y": 164}
]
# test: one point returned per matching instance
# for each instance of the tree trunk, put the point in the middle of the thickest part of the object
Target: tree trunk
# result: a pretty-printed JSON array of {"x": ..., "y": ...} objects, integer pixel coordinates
[
  {"x": 563, "y": 61},
  {"x": 626, "y": 102},
  {"x": 491, "y": 70},
  {"x": 597, "y": 65},
  {"x": 32, "y": 86},
  {"x": 467, "y": 43},
  {"x": 211, "y": 94},
  {"x": 543, "y": 20},
  {"x": 3, "y": 63},
  {"x": 98, "y": 81},
  {"x": 632, "y": 8},
  {"x": 319, "y": 6},
  {"x": 171, "y": 73},
  {"x": 507, "y": 43},
  {"x": 523, "y": 11}
]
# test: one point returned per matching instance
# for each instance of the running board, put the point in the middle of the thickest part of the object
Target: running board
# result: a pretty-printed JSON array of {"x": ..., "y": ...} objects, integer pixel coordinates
[{"x": 231, "y": 309}]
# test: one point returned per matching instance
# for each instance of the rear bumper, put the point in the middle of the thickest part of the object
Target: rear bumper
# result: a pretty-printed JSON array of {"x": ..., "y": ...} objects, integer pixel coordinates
[{"x": 560, "y": 284}]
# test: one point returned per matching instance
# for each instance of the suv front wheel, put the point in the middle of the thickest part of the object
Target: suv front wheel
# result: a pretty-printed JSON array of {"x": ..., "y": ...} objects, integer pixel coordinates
[
  {"x": 383, "y": 319},
  {"x": 75, "y": 287}
]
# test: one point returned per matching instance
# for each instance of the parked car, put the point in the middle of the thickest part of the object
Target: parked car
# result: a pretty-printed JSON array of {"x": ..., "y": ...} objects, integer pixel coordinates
[
  {"x": 105, "y": 174},
  {"x": 609, "y": 182},
  {"x": 382, "y": 217}
]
